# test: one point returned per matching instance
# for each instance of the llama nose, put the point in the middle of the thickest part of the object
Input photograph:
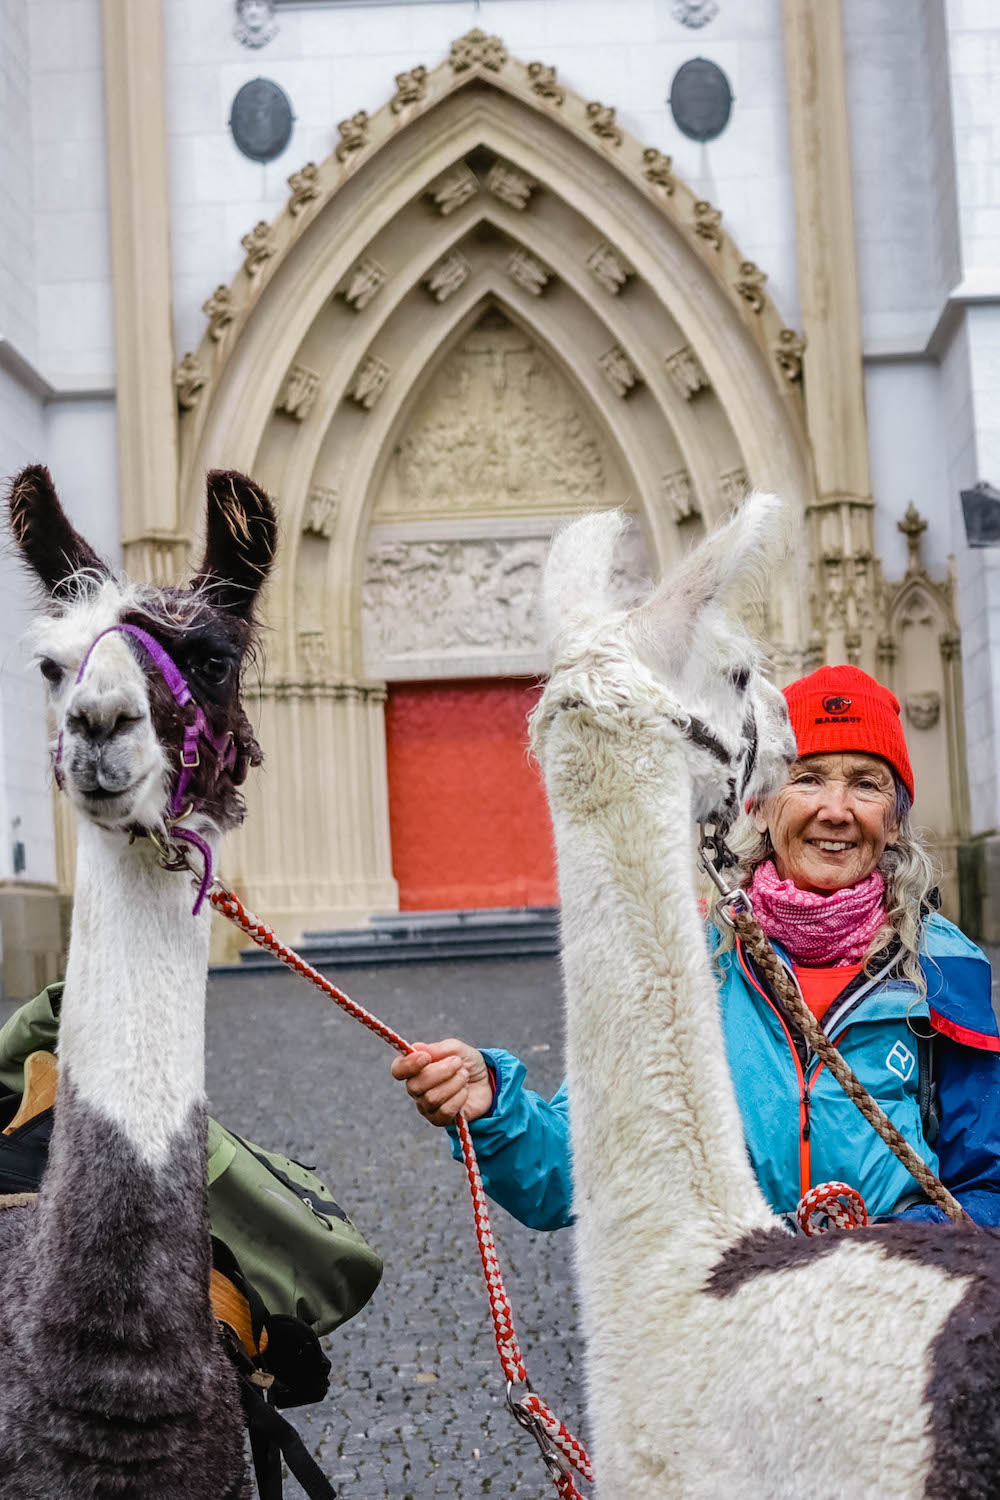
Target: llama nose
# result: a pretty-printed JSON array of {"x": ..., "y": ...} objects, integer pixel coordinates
[{"x": 101, "y": 717}]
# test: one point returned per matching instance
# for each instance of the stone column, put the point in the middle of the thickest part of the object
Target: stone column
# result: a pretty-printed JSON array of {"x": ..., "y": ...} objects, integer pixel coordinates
[
  {"x": 840, "y": 523},
  {"x": 315, "y": 851},
  {"x": 140, "y": 252}
]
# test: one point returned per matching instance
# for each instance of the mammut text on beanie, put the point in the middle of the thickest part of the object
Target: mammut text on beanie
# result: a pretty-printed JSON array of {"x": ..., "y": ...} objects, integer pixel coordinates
[{"x": 842, "y": 708}]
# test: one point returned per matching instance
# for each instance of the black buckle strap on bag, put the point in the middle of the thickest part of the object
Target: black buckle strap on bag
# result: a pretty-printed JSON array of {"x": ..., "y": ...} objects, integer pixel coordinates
[{"x": 273, "y": 1438}]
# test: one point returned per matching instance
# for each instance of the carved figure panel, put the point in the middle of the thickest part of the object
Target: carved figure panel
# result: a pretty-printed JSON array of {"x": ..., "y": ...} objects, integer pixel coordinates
[
  {"x": 466, "y": 599},
  {"x": 362, "y": 283},
  {"x": 608, "y": 267},
  {"x": 678, "y": 495},
  {"x": 305, "y": 187},
  {"x": 370, "y": 380},
  {"x": 448, "y": 275},
  {"x": 619, "y": 371},
  {"x": 497, "y": 428},
  {"x": 528, "y": 271},
  {"x": 299, "y": 392},
  {"x": 510, "y": 185},
  {"x": 321, "y": 512},
  {"x": 686, "y": 371},
  {"x": 453, "y": 188}
]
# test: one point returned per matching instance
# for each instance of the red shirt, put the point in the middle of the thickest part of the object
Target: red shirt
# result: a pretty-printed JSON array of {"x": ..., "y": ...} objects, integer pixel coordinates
[{"x": 820, "y": 986}]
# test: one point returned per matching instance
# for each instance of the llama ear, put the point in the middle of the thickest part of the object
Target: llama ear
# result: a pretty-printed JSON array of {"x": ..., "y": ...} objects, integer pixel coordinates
[
  {"x": 730, "y": 567},
  {"x": 242, "y": 534},
  {"x": 577, "y": 576},
  {"x": 49, "y": 543}
]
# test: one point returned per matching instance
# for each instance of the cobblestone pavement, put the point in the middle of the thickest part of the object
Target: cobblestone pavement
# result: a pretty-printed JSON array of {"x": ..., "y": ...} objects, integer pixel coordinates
[{"x": 415, "y": 1410}]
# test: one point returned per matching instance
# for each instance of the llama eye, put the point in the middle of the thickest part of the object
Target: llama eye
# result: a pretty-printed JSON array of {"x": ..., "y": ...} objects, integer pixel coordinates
[
  {"x": 739, "y": 678},
  {"x": 51, "y": 671},
  {"x": 215, "y": 669}
]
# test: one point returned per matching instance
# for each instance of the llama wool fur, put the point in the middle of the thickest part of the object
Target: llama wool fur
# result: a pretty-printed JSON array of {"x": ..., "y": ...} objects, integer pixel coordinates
[
  {"x": 726, "y": 1359},
  {"x": 114, "y": 1384}
]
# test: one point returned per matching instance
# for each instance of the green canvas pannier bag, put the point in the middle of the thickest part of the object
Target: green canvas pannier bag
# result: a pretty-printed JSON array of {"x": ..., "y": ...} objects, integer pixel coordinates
[{"x": 293, "y": 1242}]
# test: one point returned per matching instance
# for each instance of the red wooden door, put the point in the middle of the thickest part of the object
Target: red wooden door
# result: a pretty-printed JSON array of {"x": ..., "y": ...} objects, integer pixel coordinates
[{"x": 467, "y": 812}]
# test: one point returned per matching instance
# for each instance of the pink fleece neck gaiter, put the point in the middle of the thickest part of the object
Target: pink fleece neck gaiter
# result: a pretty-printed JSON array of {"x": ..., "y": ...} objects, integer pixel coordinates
[{"x": 831, "y": 930}]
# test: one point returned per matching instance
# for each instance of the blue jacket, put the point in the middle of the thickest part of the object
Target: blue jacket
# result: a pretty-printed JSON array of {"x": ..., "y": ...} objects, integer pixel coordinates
[{"x": 800, "y": 1128}]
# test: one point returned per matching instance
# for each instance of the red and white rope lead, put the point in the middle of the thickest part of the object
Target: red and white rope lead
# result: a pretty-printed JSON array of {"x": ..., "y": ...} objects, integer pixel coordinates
[
  {"x": 537, "y": 1412},
  {"x": 831, "y": 1205}
]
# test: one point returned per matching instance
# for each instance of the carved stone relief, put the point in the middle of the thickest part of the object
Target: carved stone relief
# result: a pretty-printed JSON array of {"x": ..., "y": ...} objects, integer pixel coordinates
[
  {"x": 314, "y": 656},
  {"x": 298, "y": 394},
  {"x": 609, "y": 268},
  {"x": 448, "y": 605},
  {"x": 510, "y": 185},
  {"x": 259, "y": 245},
  {"x": 695, "y": 13},
  {"x": 498, "y": 428},
  {"x": 923, "y": 709},
  {"x": 733, "y": 487},
  {"x": 305, "y": 187},
  {"x": 678, "y": 495},
  {"x": 321, "y": 512},
  {"x": 619, "y": 371},
  {"x": 476, "y": 49},
  {"x": 543, "y": 82},
  {"x": 685, "y": 370},
  {"x": 370, "y": 380},
  {"x": 528, "y": 271},
  {"x": 453, "y": 188},
  {"x": 220, "y": 312},
  {"x": 751, "y": 285},
  {"x": 789, "y": 351},
  {"x": 411, "y": 88},
  {"x": 353, "y": 134},
  {"x": 706, "y": 223},
  {"x": 189, "y": 381},
  {"x": 448, "y": 275},
  {"x": 362, "y": 283},
  {"x": 657, "y": 168},
  {"x": 602, "y": 122}
]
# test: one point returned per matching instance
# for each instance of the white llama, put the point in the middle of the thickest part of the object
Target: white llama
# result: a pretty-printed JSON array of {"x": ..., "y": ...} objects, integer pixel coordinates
[
  {"x": 726, "y": 1357},
  {"x": 113, "y": 1378}
]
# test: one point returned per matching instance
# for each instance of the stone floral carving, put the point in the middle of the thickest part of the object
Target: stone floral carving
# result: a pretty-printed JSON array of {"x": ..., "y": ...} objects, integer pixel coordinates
[
  {"x": 695, "y": 13},
  {"x": 750, "y": 285},
  {"x": 477, "y": 50},
  {"x": 678, "y": 495},
  {"x": 913, "y": 527},
  {"x": 657, "y": 169},
  {"x": 609, "y": 267},
  {"x": 299, "y": 392},
  {"x": 528, "y": 271},
  {"x": 362, "y": 283},
  {"x": 190, "y": 381},
  {"x": 733, "y": 487},
  {"x": 321, "y": 512},
  {"x": 353, "y": 134},
  {"x": 497, "y": 428},
  {"x": 255, "y": 25},
  {"x": 260, "y": 245},
  {"x": 411, "y": 88},
  {"x": 788, "y": 353},
  {"x": 686, "y": 371},
  {"x": 510, "y": 185},
  {"x": 220, "y": 311},
  {"x": 453, "y": 188},
  {"x": 619, "y": 371},
  {"x": 370, "y": 380},
  {"x": 543, "y": 82},
  {"x": 448, "y": 275},
  {"x": 923, "y": 709},
  {"x": 305, "y": 187},
  {"x": 706, "y": 223},
  {"x": 602, "y": 122}
]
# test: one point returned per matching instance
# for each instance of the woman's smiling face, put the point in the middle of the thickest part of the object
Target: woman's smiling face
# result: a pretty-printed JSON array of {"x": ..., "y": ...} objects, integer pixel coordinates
[{"x": 831, "y": 821}]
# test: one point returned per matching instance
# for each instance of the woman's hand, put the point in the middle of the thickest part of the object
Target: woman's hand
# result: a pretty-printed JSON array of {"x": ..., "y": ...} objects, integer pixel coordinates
[{"x": 443, "y": 1078}]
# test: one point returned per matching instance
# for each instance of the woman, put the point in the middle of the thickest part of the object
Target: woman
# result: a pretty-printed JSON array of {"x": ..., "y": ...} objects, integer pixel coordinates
[{"x": 842, "y": 887}]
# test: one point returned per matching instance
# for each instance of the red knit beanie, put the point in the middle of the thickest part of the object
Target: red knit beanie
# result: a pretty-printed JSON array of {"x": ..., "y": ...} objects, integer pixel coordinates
[{"x": 842, "y": 708}]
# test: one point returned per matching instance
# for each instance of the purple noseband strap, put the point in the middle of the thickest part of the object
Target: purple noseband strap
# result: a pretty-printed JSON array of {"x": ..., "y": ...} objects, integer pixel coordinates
[{"x": 195, "y": 731}]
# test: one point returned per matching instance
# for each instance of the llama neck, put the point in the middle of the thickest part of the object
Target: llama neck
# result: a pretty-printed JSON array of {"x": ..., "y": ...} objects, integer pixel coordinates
[
  {"x": 132, "y": 1028},
  {"x": 648, "y": 1075}
]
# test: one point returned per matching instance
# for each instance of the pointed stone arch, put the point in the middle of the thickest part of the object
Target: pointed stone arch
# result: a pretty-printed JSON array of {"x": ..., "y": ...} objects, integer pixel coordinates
[{"x": 482, "y": 183}]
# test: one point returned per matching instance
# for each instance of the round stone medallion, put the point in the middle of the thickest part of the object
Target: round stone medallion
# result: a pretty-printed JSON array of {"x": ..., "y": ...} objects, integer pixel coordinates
[
  {"x": 701, "y": 100},
  {"x": 261, "y": 119}
]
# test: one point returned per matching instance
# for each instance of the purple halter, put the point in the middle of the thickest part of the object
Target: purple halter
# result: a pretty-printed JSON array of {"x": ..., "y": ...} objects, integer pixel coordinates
[{"x": 195, "y": 730}]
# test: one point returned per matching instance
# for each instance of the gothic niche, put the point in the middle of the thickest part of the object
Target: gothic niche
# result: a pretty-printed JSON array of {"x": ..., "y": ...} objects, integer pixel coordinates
[{"x": 498, "y": 431}]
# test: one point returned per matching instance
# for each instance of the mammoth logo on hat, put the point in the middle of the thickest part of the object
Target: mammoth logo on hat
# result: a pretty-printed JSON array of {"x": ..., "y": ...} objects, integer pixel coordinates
[{"x": 837, "y": 705}]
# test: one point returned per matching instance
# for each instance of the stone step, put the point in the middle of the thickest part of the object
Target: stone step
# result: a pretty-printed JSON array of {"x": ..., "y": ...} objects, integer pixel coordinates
[{"x": 422, "y": 936}]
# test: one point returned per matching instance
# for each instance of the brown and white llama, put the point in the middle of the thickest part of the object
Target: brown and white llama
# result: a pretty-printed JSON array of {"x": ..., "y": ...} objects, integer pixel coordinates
[
  {"x": 726, "y": 1357},
  {"x": 113, "y": 1381}
]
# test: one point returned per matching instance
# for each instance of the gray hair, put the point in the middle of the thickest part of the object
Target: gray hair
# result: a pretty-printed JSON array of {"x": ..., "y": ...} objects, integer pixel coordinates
[{"x": 909, "y": 877}]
